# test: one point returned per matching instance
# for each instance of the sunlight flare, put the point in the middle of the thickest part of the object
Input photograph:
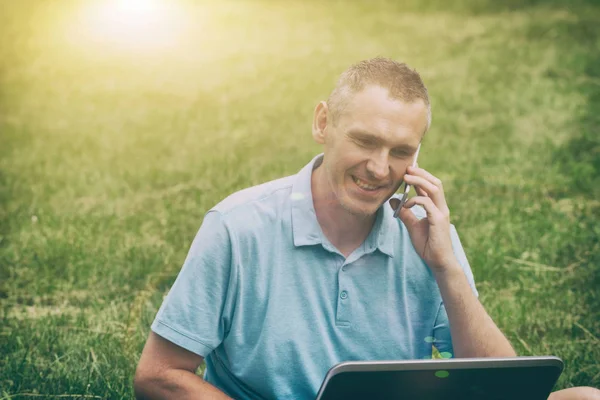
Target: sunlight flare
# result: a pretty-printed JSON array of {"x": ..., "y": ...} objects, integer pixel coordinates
[{"x": 133, "y": 24}]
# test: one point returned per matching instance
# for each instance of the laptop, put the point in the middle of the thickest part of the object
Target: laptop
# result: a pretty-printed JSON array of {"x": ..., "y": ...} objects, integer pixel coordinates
[{"x": 514, "y": 378}]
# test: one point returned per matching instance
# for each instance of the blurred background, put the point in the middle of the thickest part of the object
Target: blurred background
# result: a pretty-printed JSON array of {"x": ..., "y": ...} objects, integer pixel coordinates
[{"x": 123, "y": 122}]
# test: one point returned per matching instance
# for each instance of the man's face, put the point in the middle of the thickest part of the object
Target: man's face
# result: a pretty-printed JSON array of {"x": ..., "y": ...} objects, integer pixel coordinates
[{"x": 369, "y": 149}]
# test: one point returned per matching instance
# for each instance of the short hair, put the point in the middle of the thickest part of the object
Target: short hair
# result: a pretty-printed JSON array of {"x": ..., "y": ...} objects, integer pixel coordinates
[{"x": 402, "y": 82}]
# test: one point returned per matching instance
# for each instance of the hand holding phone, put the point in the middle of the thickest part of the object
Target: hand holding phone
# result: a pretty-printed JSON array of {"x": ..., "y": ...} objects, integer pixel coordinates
[
  {"x": 406, "y": 186},
  {"x": 430, "y": 234}
]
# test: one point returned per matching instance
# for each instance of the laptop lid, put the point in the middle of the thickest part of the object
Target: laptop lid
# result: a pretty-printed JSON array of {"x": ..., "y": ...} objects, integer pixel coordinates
[{"x": 515, "y": 378}]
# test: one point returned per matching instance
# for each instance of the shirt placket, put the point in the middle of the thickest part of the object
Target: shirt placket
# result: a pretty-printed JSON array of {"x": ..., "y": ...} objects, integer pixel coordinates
[{"x": 344, "y": 296}]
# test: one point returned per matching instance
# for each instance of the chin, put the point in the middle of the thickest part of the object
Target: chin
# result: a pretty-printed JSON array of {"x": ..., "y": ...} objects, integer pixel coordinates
[{"x": 359, "y": 211}]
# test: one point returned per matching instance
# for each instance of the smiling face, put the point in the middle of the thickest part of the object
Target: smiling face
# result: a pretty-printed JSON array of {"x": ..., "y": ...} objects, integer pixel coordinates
[{"x": 369, "y": 148}]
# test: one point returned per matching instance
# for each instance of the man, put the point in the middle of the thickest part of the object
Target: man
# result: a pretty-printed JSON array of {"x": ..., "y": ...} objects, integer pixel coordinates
[{"x": 288, "y": 278}]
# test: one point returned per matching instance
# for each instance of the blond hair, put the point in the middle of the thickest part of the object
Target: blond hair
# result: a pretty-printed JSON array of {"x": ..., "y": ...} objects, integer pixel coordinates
[{"x": 402, "y": 82}]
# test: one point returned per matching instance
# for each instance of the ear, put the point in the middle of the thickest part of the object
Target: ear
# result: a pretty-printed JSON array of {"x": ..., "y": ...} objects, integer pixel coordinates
[{"x": 320, "y": 122}]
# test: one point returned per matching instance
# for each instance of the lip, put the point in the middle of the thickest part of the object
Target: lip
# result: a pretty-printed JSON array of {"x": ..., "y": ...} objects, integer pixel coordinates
[{"x": 367, "y": 193}]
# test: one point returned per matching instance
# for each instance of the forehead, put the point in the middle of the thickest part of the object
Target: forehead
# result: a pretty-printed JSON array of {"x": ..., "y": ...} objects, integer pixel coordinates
[{"x": 373, "y": 111}]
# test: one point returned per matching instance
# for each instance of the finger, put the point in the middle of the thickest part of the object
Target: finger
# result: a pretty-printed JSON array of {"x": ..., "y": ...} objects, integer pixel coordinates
[
  {"x": 420, "y": 191},
  {"x": 426, "y": 186},
  {"x": 431, "y": 189},
  {"x": 425, "y": 174},
  {"x": 434, "y": 215},
  {"x": 408, "y": 217}
]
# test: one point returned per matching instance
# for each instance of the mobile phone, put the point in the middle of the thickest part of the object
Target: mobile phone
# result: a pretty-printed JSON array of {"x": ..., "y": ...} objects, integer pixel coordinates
[{"x": 404, "y": 197}]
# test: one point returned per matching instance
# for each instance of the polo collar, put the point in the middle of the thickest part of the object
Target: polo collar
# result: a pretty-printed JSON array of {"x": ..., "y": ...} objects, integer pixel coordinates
[{"x": 306, "y": 229}]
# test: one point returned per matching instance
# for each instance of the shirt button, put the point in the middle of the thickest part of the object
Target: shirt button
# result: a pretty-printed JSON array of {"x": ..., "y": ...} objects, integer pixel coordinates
[{"x": 344, "y": 294}]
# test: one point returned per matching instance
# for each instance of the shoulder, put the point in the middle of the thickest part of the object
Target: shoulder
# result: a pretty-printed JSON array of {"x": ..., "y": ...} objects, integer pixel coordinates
[
  {"x": 273, "y": 191},
  {"x": 256, "y": 202}
]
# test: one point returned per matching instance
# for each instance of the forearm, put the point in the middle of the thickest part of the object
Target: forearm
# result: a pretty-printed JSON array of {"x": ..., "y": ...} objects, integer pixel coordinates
[
  {"x": 176, "y": 384},
  {"x": 474, "y": 333}
]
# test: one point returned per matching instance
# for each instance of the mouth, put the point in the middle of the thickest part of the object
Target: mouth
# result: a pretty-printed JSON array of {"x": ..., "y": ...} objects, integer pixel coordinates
[{"x": 366, "y": 187}]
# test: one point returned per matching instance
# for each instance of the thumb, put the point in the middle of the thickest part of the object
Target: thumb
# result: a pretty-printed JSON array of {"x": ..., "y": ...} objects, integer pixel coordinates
[
  {"x": 405, "y": 215},
  {"x": 408, "y": 217}
]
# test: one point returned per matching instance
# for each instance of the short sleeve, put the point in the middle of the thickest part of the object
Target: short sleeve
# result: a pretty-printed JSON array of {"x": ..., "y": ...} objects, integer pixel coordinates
[{"x": 196, "y": 313}]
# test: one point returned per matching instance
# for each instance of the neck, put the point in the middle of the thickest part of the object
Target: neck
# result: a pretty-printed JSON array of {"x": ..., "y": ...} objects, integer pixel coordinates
[{"x": 345, "y": 230}]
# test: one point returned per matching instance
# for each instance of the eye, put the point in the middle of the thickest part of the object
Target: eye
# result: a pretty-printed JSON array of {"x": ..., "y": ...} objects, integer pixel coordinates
[
  {"x": 368, "y": 144},
  {"x": 401, "y": 153}
]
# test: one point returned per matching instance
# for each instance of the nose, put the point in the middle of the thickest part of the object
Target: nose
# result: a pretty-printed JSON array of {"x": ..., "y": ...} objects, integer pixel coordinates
[{"x": 378, "y": 166}]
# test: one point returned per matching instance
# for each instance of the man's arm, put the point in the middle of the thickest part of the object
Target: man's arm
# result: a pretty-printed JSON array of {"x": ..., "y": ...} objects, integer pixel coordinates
[
  {"x": 473, "y": 332},
  {"x": 198, "y": 303},
  {"x": 167, "y": 371}
]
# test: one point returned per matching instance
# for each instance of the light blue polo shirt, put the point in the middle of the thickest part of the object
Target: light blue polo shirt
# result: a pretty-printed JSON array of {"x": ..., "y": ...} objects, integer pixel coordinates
[{"x": 272, "y": 305}]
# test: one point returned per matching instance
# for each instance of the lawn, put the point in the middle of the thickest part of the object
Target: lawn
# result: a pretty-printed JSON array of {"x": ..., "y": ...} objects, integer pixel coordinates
[{"x": 114, "y": 143}]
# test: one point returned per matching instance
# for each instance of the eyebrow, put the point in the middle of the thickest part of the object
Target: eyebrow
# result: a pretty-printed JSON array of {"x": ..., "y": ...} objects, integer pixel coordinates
[{"x": 361, "y": 135}]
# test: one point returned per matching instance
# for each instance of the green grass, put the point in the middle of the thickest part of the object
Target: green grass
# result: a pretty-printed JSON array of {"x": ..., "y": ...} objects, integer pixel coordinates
[{"x": 109, "y": 158}]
